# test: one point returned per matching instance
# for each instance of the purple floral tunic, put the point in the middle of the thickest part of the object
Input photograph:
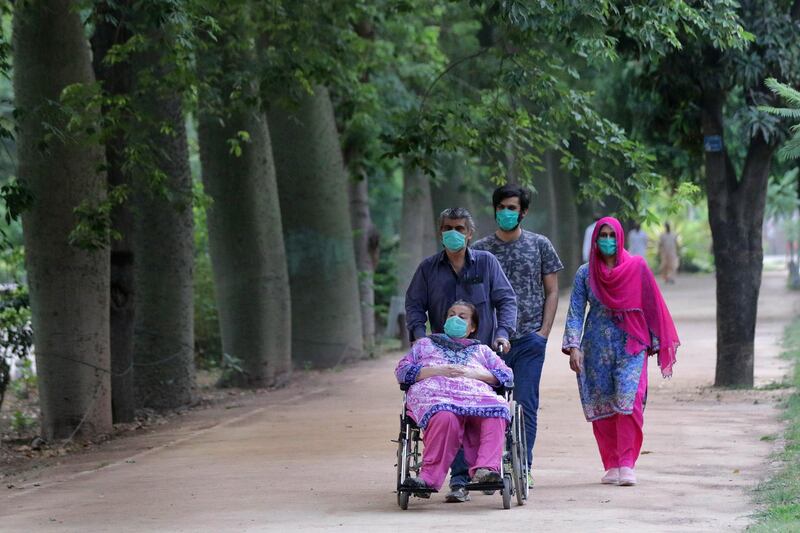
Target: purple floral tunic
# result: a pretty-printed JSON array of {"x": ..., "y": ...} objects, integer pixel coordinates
[{"x": 462, "y": 396}]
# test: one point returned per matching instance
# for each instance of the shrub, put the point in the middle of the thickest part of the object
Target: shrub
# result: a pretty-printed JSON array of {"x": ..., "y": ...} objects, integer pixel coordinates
[{"x": 16, "y": 334}]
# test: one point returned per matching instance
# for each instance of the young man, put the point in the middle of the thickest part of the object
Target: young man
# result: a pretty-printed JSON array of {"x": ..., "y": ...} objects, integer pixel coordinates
[
  {"x": 531, "y": 264},
  {"x": 460, "y": 273}
]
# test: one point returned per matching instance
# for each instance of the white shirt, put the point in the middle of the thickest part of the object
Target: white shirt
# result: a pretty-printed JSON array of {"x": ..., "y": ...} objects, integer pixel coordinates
[
  {"x": 587, "y": 241},
  {"x": 637, "y": 242}
]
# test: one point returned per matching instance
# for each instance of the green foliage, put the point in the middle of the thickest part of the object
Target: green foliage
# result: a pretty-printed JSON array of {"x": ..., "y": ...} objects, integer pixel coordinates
[
  {"x": 782, "y": 199},
  {"x": 26, "y": 381},
  {"x": 668, "y": 95},
  {"x": 790, "y": 149},
  {"x": 781, "y": 494},
  {"x": 508, "y": 94},
  {"x": 207, "y": 338},
  {"x": 16, "y": 335},
  {"x": 21, "y": 422},
  {"x": 687, "y": 215}
]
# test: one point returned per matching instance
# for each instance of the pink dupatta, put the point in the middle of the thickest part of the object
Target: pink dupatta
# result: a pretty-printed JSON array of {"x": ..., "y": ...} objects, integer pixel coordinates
[{"x": 630, "y": 291}]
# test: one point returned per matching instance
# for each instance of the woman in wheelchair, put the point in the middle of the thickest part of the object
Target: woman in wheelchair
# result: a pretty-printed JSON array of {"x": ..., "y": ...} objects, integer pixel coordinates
[{"x": 452, "y": 399}]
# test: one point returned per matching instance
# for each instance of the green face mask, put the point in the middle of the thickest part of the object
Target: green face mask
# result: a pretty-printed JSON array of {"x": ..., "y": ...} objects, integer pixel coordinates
[
  {"x": 607, "y": 245},
  {"x": 507, "y": 219},
  {"x": 455, "y": 327},
  {"x": 453, "y": 240}
]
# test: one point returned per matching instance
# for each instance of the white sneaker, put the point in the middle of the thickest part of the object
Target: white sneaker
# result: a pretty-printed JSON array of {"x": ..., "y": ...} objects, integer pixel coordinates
[
  {"x": 627, "y": 477},
  {"x": 611, "y": 477}
]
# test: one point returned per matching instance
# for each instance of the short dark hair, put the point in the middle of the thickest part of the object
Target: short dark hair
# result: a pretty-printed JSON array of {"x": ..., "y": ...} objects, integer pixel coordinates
[
  {"x": 511, "y": 190},
  {"x": 475, "y": 318}
]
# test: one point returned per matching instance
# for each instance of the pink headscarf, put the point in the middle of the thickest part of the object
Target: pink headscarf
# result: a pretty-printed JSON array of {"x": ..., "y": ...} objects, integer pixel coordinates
[{"x": 630, "y": 291}]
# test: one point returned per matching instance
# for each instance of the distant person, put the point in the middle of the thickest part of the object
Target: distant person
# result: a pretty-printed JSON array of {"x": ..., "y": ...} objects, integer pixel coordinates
[
  {"x": 461, "y": 273},
  {"x": 668, "y": 254},
  {"x": 637, "y": 241},
  {"x": 627, "y": 321},
  {"x": 532, "y": 265},
  {"x": 587, "y": 241}
]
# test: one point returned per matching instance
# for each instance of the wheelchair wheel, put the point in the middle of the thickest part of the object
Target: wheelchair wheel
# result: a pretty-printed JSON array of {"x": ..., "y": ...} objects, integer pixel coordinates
[
  {"x": 519, "y": 456},
  {"x": 402, "y": 500},
  {"x": 524, "y": 456},
  {"x": 507, "y": 492},
  {"x": 403, "y": 464}
]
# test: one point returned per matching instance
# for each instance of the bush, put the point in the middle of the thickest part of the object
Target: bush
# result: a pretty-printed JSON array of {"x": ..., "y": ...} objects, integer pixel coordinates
[{"x": 16, "y": 335}]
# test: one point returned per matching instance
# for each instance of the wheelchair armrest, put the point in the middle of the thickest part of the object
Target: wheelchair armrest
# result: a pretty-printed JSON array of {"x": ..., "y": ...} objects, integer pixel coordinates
[{"x": 503, "y": 389}]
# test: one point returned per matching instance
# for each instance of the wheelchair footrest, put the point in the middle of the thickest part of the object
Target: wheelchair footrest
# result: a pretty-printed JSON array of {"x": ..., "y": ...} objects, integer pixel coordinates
[
  {"x": 414, "y": 490},
  {"x": 498, "y": 485}
]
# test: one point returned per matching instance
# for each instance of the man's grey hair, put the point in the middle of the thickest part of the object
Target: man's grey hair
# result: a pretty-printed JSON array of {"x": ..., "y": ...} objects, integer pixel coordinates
[{"x": 454, "y": 213}]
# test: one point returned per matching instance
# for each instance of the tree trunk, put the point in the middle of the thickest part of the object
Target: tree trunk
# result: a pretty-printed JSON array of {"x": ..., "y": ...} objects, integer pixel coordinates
[
  {"x": 68, "y": 286},
  {"x": 736, "y": 214},
  {"x": 365, "y": 240},
  {"x": 246, "y": 239},
  {"x": 116, "y": 80},
  {"x": 163, "y": 245},
  {"x": 312, "y": 185},
  {"x": 567, "y": 235},
  {"x": 417, "y": 227},
  {"x": 543, "y": 204}
]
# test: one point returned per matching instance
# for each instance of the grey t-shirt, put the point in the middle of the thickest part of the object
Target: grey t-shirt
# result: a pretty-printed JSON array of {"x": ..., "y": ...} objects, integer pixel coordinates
[{"x": 525, "y": 262}]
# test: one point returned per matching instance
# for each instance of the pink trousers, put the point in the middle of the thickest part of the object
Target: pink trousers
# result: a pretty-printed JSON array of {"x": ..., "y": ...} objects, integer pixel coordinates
[
  {"x": 482, "y": 439},
  {"x": 619, "y": 437}
]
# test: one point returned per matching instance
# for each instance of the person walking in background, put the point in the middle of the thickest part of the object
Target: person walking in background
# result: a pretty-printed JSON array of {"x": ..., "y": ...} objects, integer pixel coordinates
[
  {"x": 587, "y": 241},
  {"x": 531, "y": 264},
  {"x": 627, "y": 321},
  {"x": 637, "y": 241},
  {"x": 668, "y": 254},
  {"x": 461, "y": 273}
]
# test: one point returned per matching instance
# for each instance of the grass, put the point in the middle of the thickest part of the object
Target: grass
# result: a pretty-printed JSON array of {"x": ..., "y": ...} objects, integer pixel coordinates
[{"x": 781, "y": 494}]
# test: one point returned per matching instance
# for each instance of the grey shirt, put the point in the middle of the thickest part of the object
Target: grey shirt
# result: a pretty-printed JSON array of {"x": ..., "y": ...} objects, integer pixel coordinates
[{"x": 525, "y": 262}]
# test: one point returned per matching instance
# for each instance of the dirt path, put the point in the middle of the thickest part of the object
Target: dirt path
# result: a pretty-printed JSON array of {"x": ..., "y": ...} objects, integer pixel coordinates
[{"x": 317, "y": 456}]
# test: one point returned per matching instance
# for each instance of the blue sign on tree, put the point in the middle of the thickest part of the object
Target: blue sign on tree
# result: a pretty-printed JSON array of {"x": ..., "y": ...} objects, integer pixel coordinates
[{"x": 712, "y": 143}]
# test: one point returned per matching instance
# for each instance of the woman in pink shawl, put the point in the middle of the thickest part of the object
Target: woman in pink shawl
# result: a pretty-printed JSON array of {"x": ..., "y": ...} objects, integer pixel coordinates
[{"x": 608, "y": 347}]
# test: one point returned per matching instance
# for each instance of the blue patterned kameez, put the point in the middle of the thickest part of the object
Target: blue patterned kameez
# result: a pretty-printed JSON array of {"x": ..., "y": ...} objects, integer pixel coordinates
[{"x": 610, "y": 379}]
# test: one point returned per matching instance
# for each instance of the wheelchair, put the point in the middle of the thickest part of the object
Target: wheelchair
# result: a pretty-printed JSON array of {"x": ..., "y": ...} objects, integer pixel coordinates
[{"x": 513, "y": 467}]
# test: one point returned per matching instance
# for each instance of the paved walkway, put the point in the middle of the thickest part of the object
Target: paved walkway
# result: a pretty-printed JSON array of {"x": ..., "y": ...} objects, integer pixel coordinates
[{"x": 316, "y": 456}]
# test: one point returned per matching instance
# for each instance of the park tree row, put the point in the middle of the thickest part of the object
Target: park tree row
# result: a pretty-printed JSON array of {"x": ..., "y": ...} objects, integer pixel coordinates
[{"x": 299, "y": 105}]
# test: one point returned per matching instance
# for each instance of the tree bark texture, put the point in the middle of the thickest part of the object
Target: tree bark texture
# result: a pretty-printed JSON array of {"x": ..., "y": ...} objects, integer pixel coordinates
[
  {"x": 163, "y": 245},
  {"x": 117, "y": 80},
  {"x": 68, "y": 286},
  {"x": 365, "y": 241},
  {"x": 312, "y": 185},
  {"x": 735, "y": 213},
  {"x": 564, "y": 231},
  {"x": 417, "y": 227},
  {"x": 251, "y": 281}
]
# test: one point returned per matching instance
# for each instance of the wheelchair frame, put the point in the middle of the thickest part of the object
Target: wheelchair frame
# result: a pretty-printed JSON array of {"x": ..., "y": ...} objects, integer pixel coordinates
[{"x": 513, "y": 467}]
